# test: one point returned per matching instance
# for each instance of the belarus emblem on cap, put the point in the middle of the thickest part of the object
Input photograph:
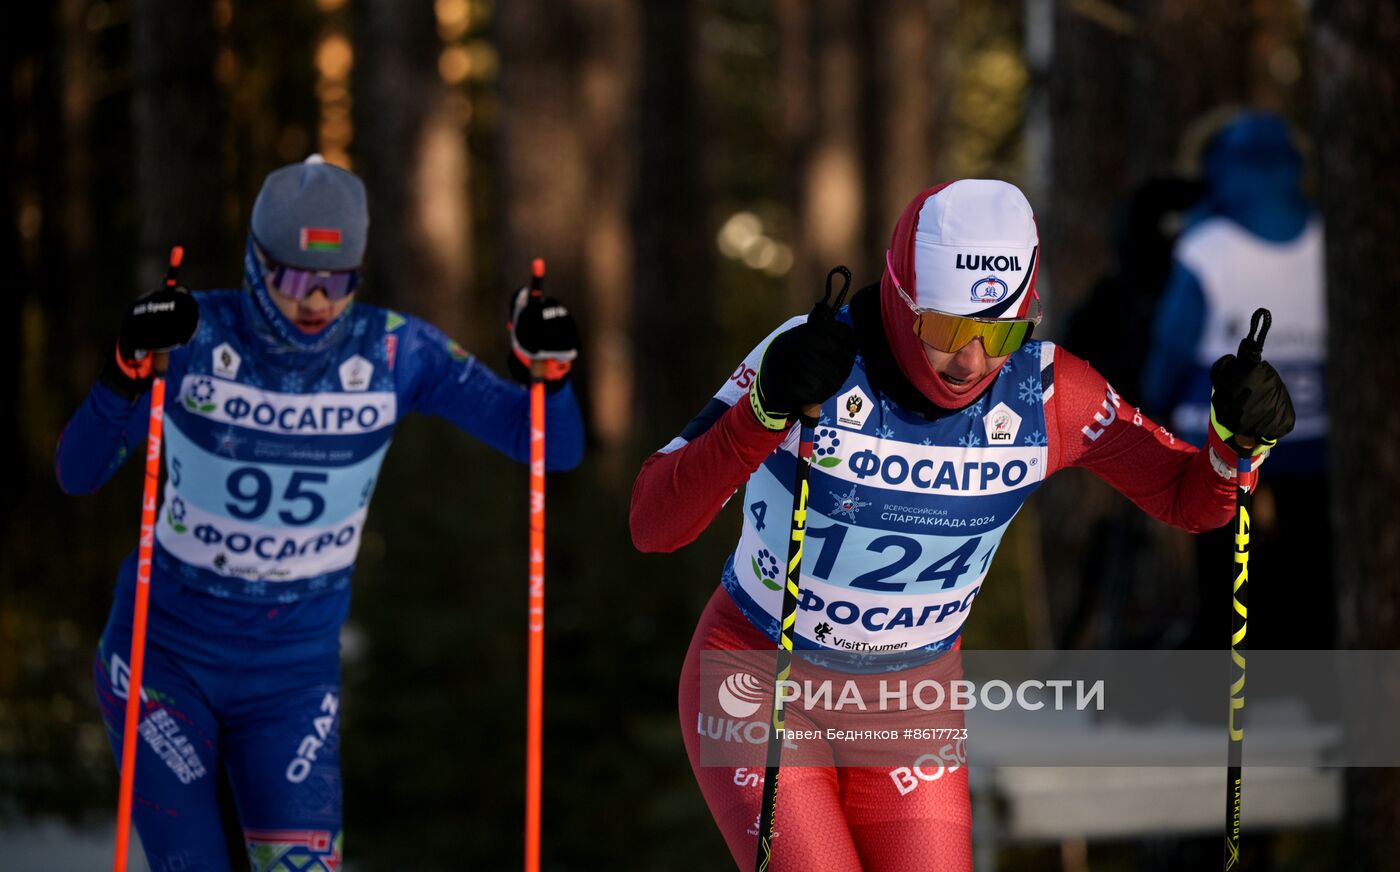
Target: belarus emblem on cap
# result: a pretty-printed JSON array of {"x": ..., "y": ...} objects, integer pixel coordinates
[
  {"x": 320, "y": 239},
  {"x": 988, "y": 290}
]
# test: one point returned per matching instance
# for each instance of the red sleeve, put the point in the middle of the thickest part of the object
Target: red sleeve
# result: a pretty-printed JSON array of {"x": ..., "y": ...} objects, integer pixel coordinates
[
  {"x": 678, "y": 493},
  {"x": 1170, "y": 479}
]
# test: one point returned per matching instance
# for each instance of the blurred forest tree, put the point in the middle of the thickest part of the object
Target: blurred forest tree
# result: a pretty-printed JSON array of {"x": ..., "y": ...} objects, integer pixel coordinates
[{"x": 690, "y": 170}]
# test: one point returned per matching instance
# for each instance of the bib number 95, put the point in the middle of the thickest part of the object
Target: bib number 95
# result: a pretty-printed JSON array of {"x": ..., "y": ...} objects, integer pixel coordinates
[{"x": 299, "y": 504}]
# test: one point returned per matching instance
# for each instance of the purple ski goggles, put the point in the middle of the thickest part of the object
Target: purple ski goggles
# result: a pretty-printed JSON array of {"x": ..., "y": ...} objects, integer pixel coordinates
[{"x": 297, "y": 284}]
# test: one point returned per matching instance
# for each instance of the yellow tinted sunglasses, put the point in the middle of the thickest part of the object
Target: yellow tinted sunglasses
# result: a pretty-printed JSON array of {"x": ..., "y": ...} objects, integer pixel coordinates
[{"x": 950, "y": 333}]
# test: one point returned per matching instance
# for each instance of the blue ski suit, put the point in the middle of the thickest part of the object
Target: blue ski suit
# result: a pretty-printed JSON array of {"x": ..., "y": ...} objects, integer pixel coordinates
[{"x": 273, "y": 445}]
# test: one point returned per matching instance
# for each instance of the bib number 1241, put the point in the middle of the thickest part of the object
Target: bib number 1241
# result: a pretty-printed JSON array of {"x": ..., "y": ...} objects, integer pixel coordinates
[{"x": 945, "y": 568}]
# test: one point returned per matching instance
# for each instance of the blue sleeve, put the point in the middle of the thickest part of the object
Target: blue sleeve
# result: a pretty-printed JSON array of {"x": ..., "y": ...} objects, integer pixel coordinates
[
  {"x": 1176, "y": 331},
  {"x": 99, "y": 438},
  {"x": 442, "y": 379}
]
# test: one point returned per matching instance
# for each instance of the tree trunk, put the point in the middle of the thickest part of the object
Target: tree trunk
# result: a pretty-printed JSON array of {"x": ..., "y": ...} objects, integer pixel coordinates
[
  {"x": 1194, "y": 57},
  {"x": 542, "y": 169},
  {"x": 82, "y": 285},
  {"x": 266, "y": 69},
  {"x": 566, "y": 177},
  {"x": 1356, "y": 128},
  {"x": 410, "y": 139},
  {"x": 34, "y": 289},
  {"x": 864, "y": 93},
  {"x": 909, "y": 94},
  {"x": 608, "y": 87},
  {"x": 1089, "y": 146},
  {"x": 1126, "y": 85},
  {"x": 796, "y": 49},
  {"x": 674, "y": 304},
  {"x": 835, "y": 176},
  {"x": 179, "y": 140}
]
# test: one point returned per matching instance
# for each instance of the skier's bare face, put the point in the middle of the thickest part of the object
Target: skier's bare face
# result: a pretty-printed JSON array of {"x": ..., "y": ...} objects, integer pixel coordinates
[
  {"x": 312, "y": 313},
  {"x": 964, "y": 368}
]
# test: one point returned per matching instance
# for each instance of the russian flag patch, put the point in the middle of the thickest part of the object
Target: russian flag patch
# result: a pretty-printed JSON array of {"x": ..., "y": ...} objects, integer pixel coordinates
[{"x": 320, "y": 239}]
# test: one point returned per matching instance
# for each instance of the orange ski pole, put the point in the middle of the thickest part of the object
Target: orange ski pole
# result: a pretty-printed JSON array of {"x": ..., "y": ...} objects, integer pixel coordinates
[
  {"x": 534, "y": 716},
  {"x": 143, "y": 588}
]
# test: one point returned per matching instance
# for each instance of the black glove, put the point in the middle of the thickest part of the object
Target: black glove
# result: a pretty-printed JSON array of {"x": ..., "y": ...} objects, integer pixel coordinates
[
  {"x": 159, "y": 321},
  {"x": 541, "y": 329},
  {"x": 804, "y": 366},
  {"x": 1249, "y": 399}
]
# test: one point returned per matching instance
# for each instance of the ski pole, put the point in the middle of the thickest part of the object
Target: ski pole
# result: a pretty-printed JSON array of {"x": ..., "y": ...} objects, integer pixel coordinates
[
  {"x": 768, "y": 803},
  {"x": 1246, "y": 482},
  {"x": 534, "y": 717},
  {"x": 143, "y": 587}
]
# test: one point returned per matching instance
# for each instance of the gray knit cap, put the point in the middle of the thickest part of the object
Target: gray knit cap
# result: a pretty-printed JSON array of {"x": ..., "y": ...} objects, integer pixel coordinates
[{"x": 312, "y": 215}]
